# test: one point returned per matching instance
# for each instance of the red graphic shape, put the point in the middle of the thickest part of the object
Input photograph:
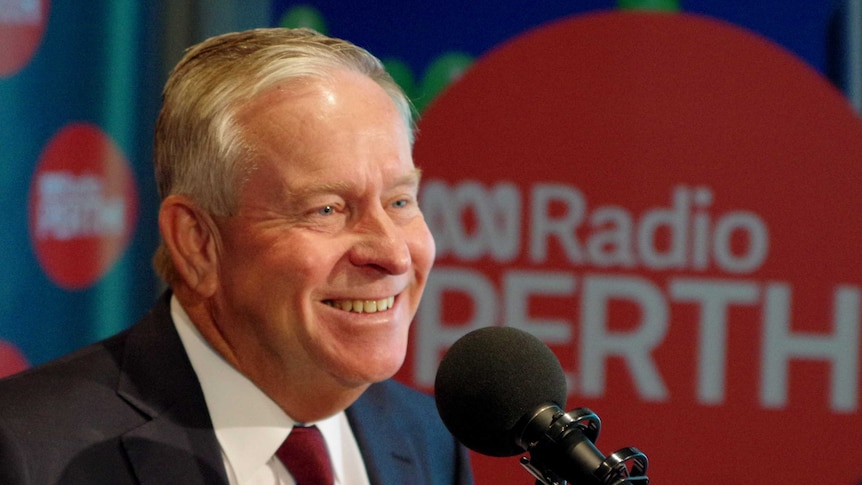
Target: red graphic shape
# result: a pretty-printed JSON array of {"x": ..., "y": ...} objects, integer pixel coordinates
[
  {"x": 652, "y": 120},
  {"x": 12, "y": 360},
  {"x": 22, "y": 24},
  {"x": 83, "y": 206}
]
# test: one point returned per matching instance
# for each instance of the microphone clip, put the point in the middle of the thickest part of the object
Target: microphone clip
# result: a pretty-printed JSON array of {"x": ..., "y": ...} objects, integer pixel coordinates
[{"x": 562, "y": 450}]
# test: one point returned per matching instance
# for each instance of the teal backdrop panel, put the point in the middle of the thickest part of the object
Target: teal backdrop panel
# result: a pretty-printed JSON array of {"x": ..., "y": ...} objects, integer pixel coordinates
[{"x": 76, "y": 190}]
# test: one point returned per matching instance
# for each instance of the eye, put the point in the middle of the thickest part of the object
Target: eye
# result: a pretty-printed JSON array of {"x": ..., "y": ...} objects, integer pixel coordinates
[
  {"x": 400, "y": 204},
  {"x": 326, "y": 210}
]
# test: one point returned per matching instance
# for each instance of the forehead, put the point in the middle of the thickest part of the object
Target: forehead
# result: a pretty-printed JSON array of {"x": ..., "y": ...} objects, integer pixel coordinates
[
  {"x": 324, "y": 82},
  {"x": 313, "y": 130},
  {"x": 344, "y": 101}
]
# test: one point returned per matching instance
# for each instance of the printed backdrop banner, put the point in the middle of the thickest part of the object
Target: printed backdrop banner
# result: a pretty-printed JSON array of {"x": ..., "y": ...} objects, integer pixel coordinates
[
  {"x": 672, "y": 204},
  {"x": 667, "y": 199},
  {"x": 79, "y": 90}
]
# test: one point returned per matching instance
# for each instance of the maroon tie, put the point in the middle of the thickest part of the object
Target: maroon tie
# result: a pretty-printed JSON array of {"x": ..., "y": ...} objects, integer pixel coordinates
[{"x": 305, "y": 456}]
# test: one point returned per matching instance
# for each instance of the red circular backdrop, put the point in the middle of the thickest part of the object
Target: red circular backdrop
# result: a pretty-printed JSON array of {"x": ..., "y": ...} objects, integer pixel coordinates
[{"x": 673, "y": 204}]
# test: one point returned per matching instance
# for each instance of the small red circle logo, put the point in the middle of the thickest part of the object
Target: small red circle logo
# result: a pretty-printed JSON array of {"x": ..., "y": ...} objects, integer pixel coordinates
[
  {"x": 22, "y": 23},
  {"x": 83, "y": 206},
  {"x": 12, "y": 360}
]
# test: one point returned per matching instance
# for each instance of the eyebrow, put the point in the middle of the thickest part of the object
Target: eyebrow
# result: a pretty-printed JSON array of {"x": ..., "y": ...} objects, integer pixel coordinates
[{"x": 413, "y": 178}]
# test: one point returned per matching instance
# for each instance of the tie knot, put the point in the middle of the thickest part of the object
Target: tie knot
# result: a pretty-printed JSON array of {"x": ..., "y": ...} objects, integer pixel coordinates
[{"x": 305, "y": 455}]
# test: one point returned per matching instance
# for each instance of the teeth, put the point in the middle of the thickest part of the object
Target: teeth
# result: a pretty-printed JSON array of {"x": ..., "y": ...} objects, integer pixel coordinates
[{"x": 363, "y": 306}]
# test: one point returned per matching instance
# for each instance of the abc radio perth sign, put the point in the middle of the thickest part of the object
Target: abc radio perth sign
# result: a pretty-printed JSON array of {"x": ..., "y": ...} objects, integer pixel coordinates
[{"x": 673, "y": 205}]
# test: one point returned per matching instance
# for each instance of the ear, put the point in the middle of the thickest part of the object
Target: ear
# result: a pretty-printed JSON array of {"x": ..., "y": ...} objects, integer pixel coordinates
[{"x": 192, "y": 240}]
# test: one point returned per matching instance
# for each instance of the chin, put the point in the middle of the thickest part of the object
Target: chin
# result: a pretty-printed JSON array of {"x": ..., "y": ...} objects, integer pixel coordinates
[{"x": 369, "y": 371}]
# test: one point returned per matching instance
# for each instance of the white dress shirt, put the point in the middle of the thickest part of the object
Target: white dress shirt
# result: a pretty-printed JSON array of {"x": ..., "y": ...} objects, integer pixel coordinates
[{"x": 250, "y": 427}]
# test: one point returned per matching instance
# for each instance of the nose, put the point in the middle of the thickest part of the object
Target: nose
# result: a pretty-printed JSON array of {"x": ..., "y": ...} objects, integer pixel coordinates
[{"x": 382, "y": 243}]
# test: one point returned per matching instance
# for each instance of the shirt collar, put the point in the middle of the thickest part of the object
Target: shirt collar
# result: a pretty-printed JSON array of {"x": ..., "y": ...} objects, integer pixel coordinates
[{"x": 248, "y": 424}]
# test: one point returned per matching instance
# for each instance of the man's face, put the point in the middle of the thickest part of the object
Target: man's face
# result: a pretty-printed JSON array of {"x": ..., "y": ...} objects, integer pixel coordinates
[{"x": 322, "y": 268}]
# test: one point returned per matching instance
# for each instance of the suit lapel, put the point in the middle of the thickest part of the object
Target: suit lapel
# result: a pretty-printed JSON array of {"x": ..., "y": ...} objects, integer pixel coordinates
[
  {"x": 163, "y": 451},
  {"x": 390, "y": 457},
  {"x": 177, "y": 444}
]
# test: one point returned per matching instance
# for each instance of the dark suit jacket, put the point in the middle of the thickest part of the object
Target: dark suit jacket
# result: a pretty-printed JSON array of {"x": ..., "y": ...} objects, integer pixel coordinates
[{"x": 130, "y": 410}]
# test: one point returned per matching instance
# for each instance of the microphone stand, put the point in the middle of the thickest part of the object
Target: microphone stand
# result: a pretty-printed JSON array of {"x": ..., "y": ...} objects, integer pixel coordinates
[{"x": 562, "y": 450}]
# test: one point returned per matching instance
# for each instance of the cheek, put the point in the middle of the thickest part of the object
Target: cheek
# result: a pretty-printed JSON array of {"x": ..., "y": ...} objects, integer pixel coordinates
[
  {"x": 422, "y": 249},
  {"x": 311, "y": 262},
  {"x": 267, "y": 272},
  {"x": 295, "y": 256}
]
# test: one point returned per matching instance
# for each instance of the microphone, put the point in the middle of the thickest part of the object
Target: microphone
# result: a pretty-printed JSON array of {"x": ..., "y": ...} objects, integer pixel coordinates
[{"x": 500, "y": 391}]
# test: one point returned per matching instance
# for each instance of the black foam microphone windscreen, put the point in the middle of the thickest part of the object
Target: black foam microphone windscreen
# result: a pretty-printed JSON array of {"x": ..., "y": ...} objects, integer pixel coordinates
[{"x": 489, "y": 380}]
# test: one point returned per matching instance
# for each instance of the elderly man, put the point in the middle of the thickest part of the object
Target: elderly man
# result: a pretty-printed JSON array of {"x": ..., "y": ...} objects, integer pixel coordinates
[{"x": 296, "y": 255}]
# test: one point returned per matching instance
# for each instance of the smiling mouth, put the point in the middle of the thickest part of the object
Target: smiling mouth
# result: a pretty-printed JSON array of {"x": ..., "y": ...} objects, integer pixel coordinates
[{"x": 362, "y": 306}]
